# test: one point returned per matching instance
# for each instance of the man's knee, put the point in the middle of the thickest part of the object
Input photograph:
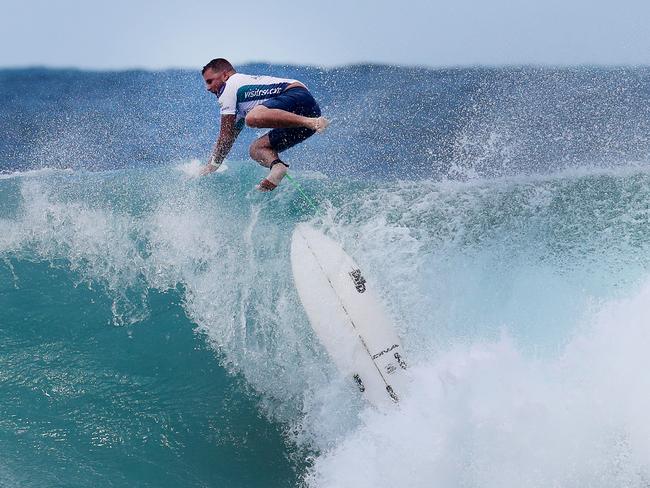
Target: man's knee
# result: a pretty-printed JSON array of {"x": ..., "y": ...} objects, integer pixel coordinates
[
  {"x": 254, "y": 152},
  {"x": 258, "y": 149},
  {"x": 254, "y": 119}
]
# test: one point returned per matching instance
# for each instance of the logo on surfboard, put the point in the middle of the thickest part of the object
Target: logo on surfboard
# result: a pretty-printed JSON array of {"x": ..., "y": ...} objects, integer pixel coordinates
[
  {"x": 387, "y": 350},
  {"x": 358, "y": 279}
]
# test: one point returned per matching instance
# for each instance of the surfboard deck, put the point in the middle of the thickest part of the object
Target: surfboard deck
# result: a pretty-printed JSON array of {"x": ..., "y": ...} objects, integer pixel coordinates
[{"x": 347, "y": 315}]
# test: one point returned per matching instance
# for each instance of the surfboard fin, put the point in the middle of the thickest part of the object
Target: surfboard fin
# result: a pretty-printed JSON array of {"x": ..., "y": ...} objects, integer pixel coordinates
[
  {"x": 392, "y": 394},
  {"x": 359, "y": 382}
]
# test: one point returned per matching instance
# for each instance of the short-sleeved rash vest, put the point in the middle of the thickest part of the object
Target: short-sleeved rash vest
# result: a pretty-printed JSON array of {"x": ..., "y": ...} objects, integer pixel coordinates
[{"x": 243, "y": 92}]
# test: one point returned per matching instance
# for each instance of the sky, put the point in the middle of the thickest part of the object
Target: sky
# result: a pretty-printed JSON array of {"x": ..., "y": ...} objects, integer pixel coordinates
[{"x": 125, "y": 34}]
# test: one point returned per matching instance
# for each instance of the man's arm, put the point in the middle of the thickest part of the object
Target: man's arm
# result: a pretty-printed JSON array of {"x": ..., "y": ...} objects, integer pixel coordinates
[{"x": 228, "y": 132}]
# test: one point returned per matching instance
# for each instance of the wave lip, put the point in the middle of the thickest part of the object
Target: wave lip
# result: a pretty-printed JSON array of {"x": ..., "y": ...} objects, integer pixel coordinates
[{"x": 33, "y": 173}]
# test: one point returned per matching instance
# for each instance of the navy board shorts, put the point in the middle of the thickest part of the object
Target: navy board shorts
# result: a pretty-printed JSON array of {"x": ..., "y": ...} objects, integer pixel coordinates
[{"x": 299, "y": 101}]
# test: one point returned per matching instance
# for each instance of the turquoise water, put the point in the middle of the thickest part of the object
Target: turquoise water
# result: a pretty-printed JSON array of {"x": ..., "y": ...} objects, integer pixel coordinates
[
  {"x": 147, "y": 405},
  {"x": 152, "y": 339}
]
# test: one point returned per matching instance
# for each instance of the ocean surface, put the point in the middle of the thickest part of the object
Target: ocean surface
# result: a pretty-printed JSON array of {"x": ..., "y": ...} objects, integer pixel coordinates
[{"x": 151, "y": 334}]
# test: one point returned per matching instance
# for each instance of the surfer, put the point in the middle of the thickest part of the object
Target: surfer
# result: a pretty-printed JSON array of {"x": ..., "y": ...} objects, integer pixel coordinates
[{"x": 283, "y": 105}]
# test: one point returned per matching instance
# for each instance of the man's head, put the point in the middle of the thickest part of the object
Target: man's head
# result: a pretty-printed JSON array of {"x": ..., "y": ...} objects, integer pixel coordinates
[{"x": 215, "y": 74}]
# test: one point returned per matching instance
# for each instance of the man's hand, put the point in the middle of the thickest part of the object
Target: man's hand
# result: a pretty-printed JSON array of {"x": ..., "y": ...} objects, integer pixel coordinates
[
  {"x": 228, "y": 132},
  {"x": 207, "y": 169}
]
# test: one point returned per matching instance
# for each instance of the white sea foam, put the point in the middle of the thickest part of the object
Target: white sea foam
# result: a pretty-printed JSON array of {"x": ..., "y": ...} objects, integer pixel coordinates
[
  {"x": 193, "y": 167},
  {"x": 489, "y": 415}
]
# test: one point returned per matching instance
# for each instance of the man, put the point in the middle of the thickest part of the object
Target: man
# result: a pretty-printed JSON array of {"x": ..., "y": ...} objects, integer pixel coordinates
[{"x": 283, "y": 105}]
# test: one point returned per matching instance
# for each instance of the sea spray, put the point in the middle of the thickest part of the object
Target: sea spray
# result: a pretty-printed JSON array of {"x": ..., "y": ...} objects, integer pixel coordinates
[{"x": 487, "y": 414}]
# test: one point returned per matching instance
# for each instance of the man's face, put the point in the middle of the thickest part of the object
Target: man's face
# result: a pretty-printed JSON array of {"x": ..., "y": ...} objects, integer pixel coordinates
[{"x": 214, "y": 81}]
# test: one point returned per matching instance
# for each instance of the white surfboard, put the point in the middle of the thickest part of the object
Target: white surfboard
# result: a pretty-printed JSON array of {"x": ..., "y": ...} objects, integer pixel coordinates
[{"x": 347, "y": 316}]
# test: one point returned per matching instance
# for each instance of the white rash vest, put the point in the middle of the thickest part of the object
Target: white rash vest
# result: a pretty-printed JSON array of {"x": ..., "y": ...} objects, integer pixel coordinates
[{"x": 243, "y": 92}]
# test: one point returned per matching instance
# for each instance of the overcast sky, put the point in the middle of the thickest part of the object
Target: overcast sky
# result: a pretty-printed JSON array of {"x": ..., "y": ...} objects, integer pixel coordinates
[{"x": 119, "y": 34}]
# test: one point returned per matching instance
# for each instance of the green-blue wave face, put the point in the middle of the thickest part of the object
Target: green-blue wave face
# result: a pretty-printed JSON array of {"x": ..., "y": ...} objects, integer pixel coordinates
[{"x": 151, "y": 333}]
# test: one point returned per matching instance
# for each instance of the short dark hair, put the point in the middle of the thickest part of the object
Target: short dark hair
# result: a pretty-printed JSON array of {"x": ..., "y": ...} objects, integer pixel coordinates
[{"x": 217, "y": 65}]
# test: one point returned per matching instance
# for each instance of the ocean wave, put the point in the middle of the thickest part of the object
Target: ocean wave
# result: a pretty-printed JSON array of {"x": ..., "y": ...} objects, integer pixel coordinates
[{"x": 492, "y": 284}]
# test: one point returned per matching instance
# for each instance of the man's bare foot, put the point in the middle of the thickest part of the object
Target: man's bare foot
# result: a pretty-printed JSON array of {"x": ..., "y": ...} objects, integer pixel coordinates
[
  {"x": 266, "y": 185},
  {"x": 319, "y": 124},
  {"x": 273, "y": 179}
]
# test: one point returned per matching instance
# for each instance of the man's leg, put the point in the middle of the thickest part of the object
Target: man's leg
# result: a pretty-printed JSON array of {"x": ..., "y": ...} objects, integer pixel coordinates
[
  {"x": 262, "y": 152},
  {"x": 263, "y": 117},
  {"x": 293, "y": 117}
]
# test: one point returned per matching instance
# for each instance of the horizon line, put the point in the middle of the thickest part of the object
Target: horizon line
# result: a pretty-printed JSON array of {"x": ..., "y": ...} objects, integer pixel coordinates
[{"x": 90, "y": 69}]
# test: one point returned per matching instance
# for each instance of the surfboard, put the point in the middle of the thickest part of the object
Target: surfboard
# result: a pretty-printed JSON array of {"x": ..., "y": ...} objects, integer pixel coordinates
[{"x": 347, "y": 315}]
